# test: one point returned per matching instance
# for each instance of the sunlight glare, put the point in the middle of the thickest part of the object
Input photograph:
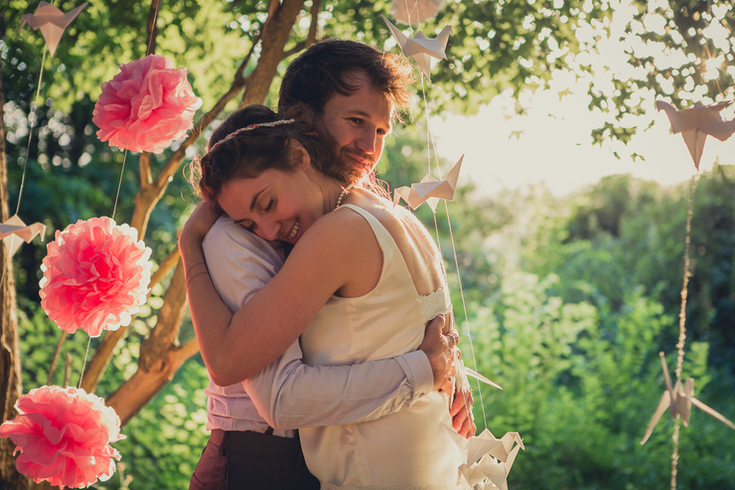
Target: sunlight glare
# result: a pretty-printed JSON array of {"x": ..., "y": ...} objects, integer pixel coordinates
[{"x": 712, "y": 71}]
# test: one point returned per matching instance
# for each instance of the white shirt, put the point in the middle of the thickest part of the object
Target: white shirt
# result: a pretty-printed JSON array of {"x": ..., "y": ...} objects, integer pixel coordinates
[{"x": 288, "y": 394}]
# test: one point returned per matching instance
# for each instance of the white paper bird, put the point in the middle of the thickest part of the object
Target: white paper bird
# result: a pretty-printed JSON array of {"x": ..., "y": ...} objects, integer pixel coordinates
[
  {"x": 52, "y": 22},
  {"x": 429, "y": 189},
  {"x": 14, "y": 231},
  {"x": 489, "y": 459},
  {"x": 679, "y": 402},
  {"x": 420, "y": 47},
  {"x": 415, "y": 11},
  {"x": 696, "y": 123}
]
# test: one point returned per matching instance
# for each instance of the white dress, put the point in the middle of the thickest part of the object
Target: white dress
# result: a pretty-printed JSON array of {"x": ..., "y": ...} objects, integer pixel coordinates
[{"x": 412, "y": 448}]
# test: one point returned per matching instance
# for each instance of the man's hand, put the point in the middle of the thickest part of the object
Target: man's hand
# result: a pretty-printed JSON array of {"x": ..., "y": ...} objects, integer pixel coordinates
[
  {"x": 438, "y": 348},
  {"x": 461, "y": 412}
]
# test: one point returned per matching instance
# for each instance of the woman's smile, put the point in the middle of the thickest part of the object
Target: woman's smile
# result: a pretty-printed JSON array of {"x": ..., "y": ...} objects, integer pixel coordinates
[{"x": 294, "y": 230}]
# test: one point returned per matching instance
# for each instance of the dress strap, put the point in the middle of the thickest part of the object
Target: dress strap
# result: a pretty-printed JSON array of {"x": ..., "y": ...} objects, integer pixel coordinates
[{"x": 385, "y": 239}]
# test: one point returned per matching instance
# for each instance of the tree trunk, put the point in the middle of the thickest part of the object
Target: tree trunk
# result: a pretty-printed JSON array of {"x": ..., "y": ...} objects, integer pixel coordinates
[
  {"x": 10, "y": 383},
  {"x": 160, "y": 354},
  {"x": 275, "y": 34}
]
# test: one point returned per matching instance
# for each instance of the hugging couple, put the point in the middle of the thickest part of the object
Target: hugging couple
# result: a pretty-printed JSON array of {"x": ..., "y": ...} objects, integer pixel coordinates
[{"x": 321, "y": 310}]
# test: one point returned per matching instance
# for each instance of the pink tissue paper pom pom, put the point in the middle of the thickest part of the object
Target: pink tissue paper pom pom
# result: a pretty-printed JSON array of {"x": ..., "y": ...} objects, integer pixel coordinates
[
  {"x": 146, "y": 106},
  {"x": 95, "y": 276},
  {"x": 64, "y": 436}
]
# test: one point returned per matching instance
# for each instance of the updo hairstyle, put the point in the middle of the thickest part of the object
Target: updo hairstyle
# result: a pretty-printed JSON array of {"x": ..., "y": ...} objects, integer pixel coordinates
[{"x": 248, "y": 154}]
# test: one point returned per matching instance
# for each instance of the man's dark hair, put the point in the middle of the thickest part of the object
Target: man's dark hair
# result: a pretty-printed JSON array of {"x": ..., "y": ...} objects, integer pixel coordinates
[{"x": 319, "y": 72}]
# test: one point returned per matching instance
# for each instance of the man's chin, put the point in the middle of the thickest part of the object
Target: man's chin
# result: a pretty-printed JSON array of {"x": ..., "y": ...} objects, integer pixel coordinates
[{"x": 357, "y": 162}]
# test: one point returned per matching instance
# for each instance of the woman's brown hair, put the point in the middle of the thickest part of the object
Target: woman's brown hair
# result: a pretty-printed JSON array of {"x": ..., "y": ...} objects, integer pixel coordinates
[{"x": 249, "y": 153}]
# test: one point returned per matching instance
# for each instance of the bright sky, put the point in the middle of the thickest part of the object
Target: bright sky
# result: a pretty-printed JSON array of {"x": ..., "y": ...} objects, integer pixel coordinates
[{"x": 551, "y": 143}]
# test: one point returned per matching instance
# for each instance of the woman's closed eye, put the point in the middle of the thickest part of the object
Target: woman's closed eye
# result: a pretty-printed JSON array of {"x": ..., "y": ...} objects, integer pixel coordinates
[{"x": 270, "y": 205}]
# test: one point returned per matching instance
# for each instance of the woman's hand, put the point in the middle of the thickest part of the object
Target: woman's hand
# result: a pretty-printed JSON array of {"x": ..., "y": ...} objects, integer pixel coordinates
[{"x": 199, "y": 223}]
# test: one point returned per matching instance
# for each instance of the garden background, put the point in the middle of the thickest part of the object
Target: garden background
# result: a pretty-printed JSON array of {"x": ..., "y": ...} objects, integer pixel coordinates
[{"x": 569, "y": 297}]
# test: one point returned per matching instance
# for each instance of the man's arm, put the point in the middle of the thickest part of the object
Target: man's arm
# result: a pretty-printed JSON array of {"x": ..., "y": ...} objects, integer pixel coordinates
[{"x": 288, "y": 393}]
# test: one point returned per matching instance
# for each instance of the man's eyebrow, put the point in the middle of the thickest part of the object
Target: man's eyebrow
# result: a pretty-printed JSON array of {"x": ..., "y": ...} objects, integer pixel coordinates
[{"x": 358, "y": 112}]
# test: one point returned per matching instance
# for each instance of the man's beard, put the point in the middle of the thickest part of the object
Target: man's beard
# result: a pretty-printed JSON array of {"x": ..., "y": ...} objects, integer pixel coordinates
[{"x": 357, "y": 160}]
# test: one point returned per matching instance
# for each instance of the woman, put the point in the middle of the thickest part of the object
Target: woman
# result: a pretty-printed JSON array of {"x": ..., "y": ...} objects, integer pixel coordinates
[{"x": 356, "y": 278}]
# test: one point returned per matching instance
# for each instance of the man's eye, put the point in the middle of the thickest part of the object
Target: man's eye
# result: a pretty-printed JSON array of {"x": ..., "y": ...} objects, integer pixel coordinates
[{"x": 356, "y": 120}]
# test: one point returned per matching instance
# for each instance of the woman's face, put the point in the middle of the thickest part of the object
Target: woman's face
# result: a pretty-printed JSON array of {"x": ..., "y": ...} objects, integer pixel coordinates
[{"x": 276, "y": 205}]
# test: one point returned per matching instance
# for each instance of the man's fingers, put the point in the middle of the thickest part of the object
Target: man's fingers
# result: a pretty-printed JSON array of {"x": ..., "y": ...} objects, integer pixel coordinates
[
  {"x": 468, "y": 428},
  {"x": 436, "y": 323},
  {"x": 459, "y": 418},
  {"x": 452, "y": 338},
  {"x": 447, "y": 386},
  {"x": 461, "y": 399}
]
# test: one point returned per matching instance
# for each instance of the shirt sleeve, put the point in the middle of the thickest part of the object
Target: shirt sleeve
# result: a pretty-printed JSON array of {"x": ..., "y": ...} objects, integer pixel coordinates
[{"x": 289, "y": 394}]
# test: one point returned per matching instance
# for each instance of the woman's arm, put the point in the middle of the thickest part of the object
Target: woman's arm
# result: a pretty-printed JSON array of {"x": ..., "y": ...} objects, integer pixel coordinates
[{"x": 338, "y": 250}]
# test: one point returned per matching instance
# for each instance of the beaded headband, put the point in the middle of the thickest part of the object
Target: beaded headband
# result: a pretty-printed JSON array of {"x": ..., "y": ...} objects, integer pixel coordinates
[{"x": 272, "y": 124}]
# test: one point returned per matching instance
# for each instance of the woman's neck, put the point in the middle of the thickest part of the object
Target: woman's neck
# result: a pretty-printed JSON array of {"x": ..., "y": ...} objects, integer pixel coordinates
[{"x": 332, "y": 191}]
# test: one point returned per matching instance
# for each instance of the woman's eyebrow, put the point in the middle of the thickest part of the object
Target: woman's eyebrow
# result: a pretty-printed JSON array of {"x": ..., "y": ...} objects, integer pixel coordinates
[{"x": 255, "y": 199}]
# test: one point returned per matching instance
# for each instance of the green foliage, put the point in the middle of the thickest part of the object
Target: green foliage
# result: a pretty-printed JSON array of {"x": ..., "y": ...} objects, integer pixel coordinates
[
  {"x": 164, "y": 441},
  {"x": 696, "y": 61},
  {"x": 570, "y": 300}
]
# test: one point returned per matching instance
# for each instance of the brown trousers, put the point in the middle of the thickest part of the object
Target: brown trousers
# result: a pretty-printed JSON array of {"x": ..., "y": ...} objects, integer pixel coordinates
[{"x": 244, "y": 460}]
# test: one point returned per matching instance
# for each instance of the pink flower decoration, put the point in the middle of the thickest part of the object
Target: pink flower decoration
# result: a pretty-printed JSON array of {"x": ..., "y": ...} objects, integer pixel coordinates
[
  {"x": 95, "y": 276},
  {"x": 64, "y": 436},
  {"x": 146, "y": 106}
]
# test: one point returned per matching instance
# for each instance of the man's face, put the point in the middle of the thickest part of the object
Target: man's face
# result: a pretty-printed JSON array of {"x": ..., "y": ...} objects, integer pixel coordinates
[{"x": 358, "y": 122}]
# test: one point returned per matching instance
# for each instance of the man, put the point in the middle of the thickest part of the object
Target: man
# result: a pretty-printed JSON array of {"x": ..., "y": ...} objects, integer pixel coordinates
[{"x": 347, "y": 91}]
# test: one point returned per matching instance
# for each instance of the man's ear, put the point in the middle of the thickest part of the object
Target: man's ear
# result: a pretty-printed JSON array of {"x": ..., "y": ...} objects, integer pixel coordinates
[{"x": 301, "y": 112}]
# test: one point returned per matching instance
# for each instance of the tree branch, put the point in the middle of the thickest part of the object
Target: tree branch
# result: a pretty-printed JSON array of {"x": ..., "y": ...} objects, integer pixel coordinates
[
  {"x": 160, "y": 357},
  {"x": 166, "y": 331},
  {"x": 165, "y": 266},
  {"x": 275, "y": 33},
  {"x": 145, "y": 200},
  {"x": 152, "y": 30},
  {"x": 311, "y": 37},
  {"x": 149, "y": 195}
]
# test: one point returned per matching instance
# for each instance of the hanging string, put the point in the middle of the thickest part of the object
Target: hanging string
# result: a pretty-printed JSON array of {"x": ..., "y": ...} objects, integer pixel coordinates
[
  {"x": 151, "y": 36},
  {"x": 682, "y": 325},
  {"x": 119, "y": 184},
  {"x": 31, "y": 120},
  {"x": 431, "y": 149},
  {"x": 122, "y": 172},
  {"x": 84, "y": 362}
]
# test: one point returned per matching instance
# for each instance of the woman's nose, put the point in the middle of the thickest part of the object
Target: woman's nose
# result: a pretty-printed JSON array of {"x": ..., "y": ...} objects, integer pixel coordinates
[{"x": 268, "y": 230}]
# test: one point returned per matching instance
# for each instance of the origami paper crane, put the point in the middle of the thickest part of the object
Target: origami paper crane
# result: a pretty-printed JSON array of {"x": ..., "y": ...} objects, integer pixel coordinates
[
  {"x": 429, "y": 189},
  {"x": 489, "y": 460},
  {"x": 420, "y": 47},
  {"x": 679, "y": 401},
  {"x": 14, "y": 227},
  {"x": 462, "y": 371},
  {"x": 52, "y": 22},
  {"x": 696, "y": 123}
]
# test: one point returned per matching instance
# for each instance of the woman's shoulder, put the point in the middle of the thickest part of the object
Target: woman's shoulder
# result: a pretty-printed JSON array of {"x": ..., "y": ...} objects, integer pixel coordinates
[{"x": 344, "y": 227}]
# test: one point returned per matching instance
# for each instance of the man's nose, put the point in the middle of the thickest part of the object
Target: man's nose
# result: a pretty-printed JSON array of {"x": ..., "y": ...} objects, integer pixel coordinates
[{"x": 367, "y": 142}]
